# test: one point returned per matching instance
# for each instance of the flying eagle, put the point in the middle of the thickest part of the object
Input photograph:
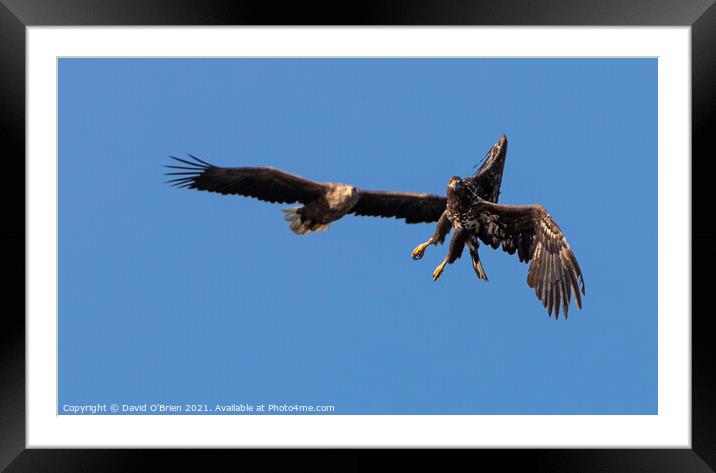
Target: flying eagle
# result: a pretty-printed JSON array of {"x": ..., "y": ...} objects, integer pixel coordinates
[
  {"x": 326, "y": 202},
  {"x": 529, "y": 230},
  {"x": 470, "y": 208}
]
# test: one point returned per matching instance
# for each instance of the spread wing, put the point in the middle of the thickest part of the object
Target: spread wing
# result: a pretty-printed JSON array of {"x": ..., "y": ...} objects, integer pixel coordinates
[
  {"x": 413, "y": 207},
  {"x": 487, "y": 180},
  {"x": 265, "y": 183},
  {"x": 528, "y": 229}
]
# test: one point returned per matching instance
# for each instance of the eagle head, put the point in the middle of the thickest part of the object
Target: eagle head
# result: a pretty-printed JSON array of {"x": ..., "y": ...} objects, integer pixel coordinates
[
  {"x": 457, "y": 188},
  {"x": 342, "y": 197},
  {"x": 456, "y": 184}
]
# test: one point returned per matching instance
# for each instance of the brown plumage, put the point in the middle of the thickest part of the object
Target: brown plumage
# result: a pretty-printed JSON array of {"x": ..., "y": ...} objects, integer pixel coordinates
[
  {"x": 470, "y": 208},
  {"x": 323, "y": 202},
  {"x": 527, "y": 230}
]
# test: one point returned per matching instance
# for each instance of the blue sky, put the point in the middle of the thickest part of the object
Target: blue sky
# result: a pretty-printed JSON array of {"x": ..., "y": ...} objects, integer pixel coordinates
[{"x": 179, "y": 296}]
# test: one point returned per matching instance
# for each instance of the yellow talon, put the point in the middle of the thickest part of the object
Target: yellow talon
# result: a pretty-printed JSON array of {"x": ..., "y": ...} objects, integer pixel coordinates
[
  {"x": 439, "y": 270},
  {"x": 419, "y": 250}
]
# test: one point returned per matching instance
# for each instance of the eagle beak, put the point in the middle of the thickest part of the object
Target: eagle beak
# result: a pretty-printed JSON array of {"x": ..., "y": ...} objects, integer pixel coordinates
[{"x": 451, "y": 185}]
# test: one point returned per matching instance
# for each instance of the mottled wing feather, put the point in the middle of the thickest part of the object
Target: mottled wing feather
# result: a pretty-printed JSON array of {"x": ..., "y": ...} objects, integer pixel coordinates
[
  {"x": 530, "y": 231},
  {"x": 487, "y": 180},
  {"x": 413, "y": 207},
  {"x": 265, "y": 183}
]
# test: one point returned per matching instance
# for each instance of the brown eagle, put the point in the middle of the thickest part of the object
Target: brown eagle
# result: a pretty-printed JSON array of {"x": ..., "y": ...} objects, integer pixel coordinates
[
  {"x": 470, "y": 208},
  {"x": 326, "y": 202}
]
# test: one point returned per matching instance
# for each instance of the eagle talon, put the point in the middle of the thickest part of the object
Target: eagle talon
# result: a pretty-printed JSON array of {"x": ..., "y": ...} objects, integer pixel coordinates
[
  {"x": 419, "y": 251},
  {"x": 439, "y": 271}
]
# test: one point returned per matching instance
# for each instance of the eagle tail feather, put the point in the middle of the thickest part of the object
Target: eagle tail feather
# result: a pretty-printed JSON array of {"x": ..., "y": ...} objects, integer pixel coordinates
[{"x": 300, "y": 225}]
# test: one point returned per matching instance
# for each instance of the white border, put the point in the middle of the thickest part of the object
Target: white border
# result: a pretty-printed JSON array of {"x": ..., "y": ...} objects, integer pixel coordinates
[{"x": 670, "y": 428}]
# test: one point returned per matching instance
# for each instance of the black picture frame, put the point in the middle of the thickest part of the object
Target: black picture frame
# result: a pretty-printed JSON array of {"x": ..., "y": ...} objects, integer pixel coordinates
[{"x": 16, "y": 15}]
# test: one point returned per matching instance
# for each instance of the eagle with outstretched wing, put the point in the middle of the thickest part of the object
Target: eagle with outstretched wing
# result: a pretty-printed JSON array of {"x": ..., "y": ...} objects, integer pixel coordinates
[
  {"x": 323, "y": 202},
  {"x": 470, "y": 208},
  {"x": 326, "y": 202},
  {"x": 528, "y": 230}
]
